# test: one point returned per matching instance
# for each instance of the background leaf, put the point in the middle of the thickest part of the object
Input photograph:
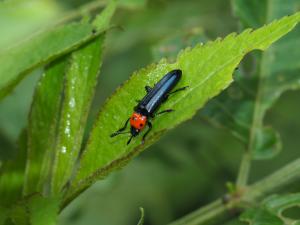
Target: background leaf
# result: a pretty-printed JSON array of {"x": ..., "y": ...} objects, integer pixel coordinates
[
  {"x": 206, "y": 69},
  {"x": 272, "y": 211},
  {"x": 34, "y": 52},
  {"x": 12, "y": 174},
  {"x": 170, "y": 46},
  {"x": 35, "y": 15},
  {"x": 242, "y": 107}
]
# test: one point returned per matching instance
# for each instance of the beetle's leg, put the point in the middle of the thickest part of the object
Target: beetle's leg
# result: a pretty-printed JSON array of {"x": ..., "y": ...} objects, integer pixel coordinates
[
  {"x": 121, "y": 129},
  {"x": 161, "y": 112},
  {"x": 148, "y": 88},
  {"x": 179, "y": 89},
  {"x": 164, "y": 111},
  {"x": 147, "y": 132},
  {"x": 138, "y": 101},
  {"x": 129, "y": 140}
]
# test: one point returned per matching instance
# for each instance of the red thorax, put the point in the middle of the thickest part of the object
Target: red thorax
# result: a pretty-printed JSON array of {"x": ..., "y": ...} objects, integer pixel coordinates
[{"x": 138, "y": 121}]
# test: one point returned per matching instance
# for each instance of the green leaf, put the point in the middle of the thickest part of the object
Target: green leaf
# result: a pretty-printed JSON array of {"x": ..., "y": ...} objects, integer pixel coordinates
[
  {"x": 19, "y": 21},
  {"x": 252, "y": 13},
  {"x": 266, "y": 143},
  {"x": 47, "y": 46},
  {"x": 59, "y": 112},
  {"x": 19, "y": 214},
  {"x": 80, "y": 81},
  {"x": 272, "y": 211},
  {"x": 12, "y": 174},
  {"x": 260, "y": 217},
  {"x": 102, "y": 20},
  {"x": 207, "y": 69},
  {"x": 43, "y": 211},
  {"x": 35, "y": 210},
  {"x": 242, "y": 108},
  {"x": 42, "y": 126},
  {"x": 55, "y": 142},
  {"x": 3, "y": 215}
]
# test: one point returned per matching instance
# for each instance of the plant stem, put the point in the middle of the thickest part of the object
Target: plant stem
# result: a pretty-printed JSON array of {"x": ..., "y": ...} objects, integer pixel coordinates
[
  {"x": 276, "y": 181},
  {"x": 244, "y": 170},
  {"x": 203, "y": 215},
  {"x": 256, "y": 192}
]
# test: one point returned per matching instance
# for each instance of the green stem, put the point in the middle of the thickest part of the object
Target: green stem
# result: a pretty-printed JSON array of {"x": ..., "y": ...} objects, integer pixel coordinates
[
  {"x": 276, "y": 181},
  {"x": 214, "y": 211},
  {"x": 257, "y": 124},
  {"x": 244, "y": 170},
  {"x": 203, "y": 215}
]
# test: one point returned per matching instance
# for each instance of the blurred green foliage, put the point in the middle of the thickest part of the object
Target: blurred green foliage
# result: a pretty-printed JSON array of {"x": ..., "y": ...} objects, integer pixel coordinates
[{"x": 188, "y": 167}]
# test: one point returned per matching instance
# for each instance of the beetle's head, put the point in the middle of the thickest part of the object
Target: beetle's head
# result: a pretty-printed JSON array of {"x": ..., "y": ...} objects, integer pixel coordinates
[{"x": 134, "y": 132}]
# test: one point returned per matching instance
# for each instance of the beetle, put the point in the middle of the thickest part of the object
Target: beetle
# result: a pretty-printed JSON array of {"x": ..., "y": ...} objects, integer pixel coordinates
[{"x": 147, "y": 107}]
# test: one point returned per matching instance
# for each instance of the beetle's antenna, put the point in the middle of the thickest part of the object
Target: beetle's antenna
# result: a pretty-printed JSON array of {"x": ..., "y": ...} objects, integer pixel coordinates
[
  {"x": 118, "y": 132},
  {"x": 129, "y": 140}
]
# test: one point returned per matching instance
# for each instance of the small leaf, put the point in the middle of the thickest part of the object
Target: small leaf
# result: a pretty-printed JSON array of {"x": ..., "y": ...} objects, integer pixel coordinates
[
  {"x": 271, "y": 211},
  {"x": 267, "y": 143},
  {"x": 207, "y": 70},
  {"x": 45, "y": 47}
]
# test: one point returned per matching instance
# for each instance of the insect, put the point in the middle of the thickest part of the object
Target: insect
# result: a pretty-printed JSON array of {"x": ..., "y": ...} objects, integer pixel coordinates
[{"x": 147, "y": 107}]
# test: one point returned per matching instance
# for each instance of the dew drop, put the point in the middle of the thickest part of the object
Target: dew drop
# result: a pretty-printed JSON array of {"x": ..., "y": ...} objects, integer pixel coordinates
[
  {"x": 63, "y": 149},
  {"x": 67, "y": 130},
  {"x": 72, "y": 103}
]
